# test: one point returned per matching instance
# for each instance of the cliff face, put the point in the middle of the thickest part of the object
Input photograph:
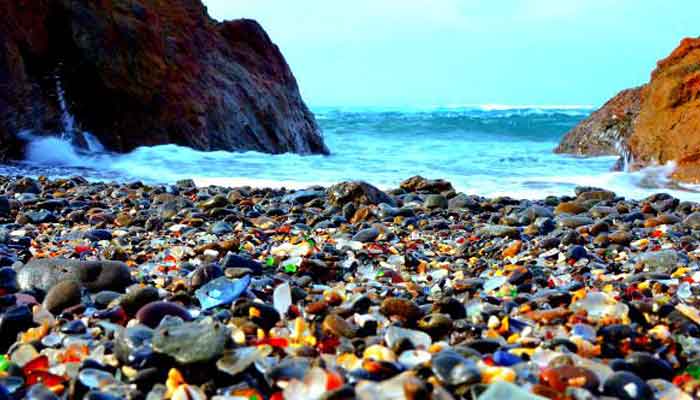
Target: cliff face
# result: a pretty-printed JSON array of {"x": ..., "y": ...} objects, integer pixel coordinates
[
  {"x": 658, "y": 122},
  {"x": 668, "y": 127},
  {"x": 147, "y": 72},
  {"x": 606, "y": 129}
]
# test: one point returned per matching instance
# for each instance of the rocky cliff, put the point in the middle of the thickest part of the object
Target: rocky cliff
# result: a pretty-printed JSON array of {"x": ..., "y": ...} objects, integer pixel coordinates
[
  {"x": 606, "y": 129},
  {"x": 668, "y": 126},
  {"x": 658, "y": 122},
  {"x": 147, "y": 72}
]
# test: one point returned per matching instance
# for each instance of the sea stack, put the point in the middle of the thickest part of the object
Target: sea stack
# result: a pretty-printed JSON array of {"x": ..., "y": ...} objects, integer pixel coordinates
[{"x": 148, "y": 72}]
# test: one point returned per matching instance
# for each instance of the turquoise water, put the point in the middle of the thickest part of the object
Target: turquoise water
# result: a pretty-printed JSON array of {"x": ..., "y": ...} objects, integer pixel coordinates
[{"x": 487, "y": 150}]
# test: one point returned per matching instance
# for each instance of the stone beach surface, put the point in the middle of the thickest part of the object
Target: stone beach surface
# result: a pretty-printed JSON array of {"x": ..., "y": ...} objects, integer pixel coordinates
[{"x": 125, "y": 290}]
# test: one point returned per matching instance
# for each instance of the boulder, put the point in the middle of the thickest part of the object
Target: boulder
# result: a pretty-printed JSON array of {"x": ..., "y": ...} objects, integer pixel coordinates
[
  {"x": 357, "y": 193},
  {"x": 44, "y": 273},
  {"x": 147, "y": 72}
]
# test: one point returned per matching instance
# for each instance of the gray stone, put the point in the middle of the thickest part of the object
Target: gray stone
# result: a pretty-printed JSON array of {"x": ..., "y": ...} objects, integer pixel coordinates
[
  {"x": 40, "y": 216},
  {"x": 221, "y": 228},
  {"x": 44, "y": 273},
  {"x": 191, "y": 342},
  {"x": 454, "y": 369},
  {"x": 499, "y": 231},
  {"x": 366, "y": 235},
  {"x": 435, "y": 201},
  {"x": 302, "y": 196},
  {"x": 663, "y": 261},
  {"x": 462, "y": 201},
  {"x": 692, "y": 221},
  {"x": 574, "y": 221}
]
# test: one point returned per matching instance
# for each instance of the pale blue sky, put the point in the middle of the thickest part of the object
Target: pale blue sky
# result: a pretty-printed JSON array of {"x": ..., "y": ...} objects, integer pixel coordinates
[{"x": 448, "y": 52}]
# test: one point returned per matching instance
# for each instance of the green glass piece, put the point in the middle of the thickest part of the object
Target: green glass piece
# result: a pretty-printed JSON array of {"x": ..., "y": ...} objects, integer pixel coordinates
[
  {"x": 694, "y": 371},
  {"x": 4, "y": 363}
]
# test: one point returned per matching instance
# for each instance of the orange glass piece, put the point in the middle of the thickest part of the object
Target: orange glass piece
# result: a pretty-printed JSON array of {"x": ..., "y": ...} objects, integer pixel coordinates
[{"x": 33, "y": 334}]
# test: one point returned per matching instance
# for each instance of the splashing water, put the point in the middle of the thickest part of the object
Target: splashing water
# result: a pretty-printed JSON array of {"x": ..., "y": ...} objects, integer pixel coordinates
[
  {"x": 622, "y": 148},
  {"x": 490, "y": 151},
  {"x": 92, "y": 143},
  {"x": 84, "y": 142},
  {"x": 67, "y": 119}
]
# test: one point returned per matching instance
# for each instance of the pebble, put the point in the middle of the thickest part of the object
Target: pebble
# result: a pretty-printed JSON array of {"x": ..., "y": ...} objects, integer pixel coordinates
[
  {"x": 14, "y": 320},
  {"x": 94, "y": 275},
  {"x": 62, "y": 295},
  {"x": 153, "y": 313},
  {"x": 357, "y": 193},
  {"x": 402, "y": 308},
  {"x": 335, "y": 325},
  {"x": 435, "y": 201},
  {"x": 8, "y": 280},
  {"x": 453, "y": 369},
  {"x": 204, "y": 274},
  {"x": 627, "y": 386},
  {"x": 133, "y": 300},
  {"x": 366, "y": 235},
  {"x": 191, "y": 342},
  {"x": 152, "y": 291},
  {"x": 235, "y": 261}
]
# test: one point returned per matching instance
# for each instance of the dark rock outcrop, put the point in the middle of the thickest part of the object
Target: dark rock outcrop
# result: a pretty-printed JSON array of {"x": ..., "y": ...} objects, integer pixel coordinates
[
  {"x": 653, "y": 124},
  {"x": 606, "y": 129},
  {"x": 148, "y": 72}
]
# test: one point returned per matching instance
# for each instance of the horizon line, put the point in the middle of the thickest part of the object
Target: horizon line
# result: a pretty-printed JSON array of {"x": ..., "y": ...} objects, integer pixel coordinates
[{"x": 466, "y": 106}]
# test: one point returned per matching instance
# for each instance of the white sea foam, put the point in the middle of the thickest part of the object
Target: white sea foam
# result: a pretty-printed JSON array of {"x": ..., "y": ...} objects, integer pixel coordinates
[
  {"x": 547, "y": 107},
  {"x": 484, "y": 156}
]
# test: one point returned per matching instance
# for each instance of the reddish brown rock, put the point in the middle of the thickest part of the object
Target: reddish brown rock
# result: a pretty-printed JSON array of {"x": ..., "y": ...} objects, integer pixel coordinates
[
  {"x": 668, "y": 127},
  {"x": 606, "y": 128},
  {"x": 420, "y": 184},
  {"x": 148, "y": 72},
  {"x": 654, "y": 124}
]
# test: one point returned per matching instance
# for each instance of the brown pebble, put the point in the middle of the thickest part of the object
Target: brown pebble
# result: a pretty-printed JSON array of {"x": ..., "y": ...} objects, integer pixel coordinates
[
  {"x": 338, "y": 326},
  {"x": 62, "y": 295},
  {"x": 318, "y": 307},
  {"x": 152, "y": 313},
  {"x": 403, "y": 308},
  {"x": 569, "y": 207}
]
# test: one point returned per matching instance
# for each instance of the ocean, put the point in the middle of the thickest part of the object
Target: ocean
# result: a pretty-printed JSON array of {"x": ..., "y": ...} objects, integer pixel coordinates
[{"x": 488, "y": 150}]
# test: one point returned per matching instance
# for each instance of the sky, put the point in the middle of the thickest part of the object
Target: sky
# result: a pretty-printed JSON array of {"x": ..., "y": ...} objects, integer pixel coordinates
[{"x": 422, "y": 53}]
